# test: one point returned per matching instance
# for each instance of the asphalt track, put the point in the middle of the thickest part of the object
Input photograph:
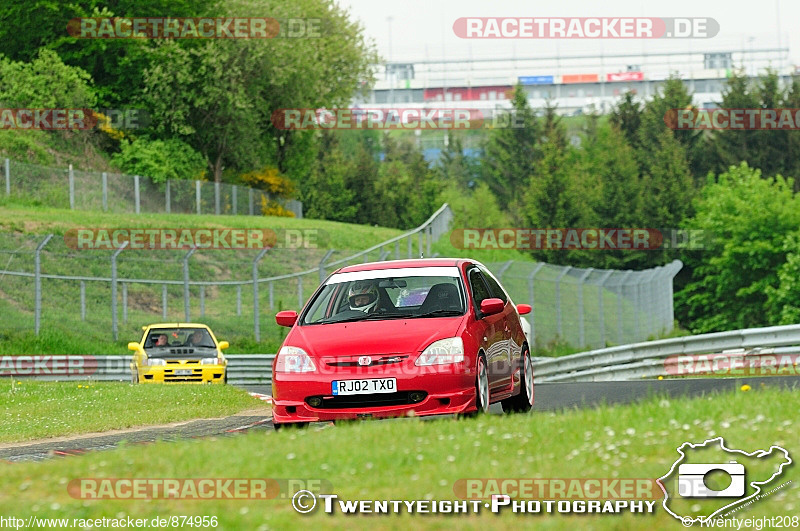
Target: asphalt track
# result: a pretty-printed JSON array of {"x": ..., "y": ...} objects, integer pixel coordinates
[{"x": 548, "y": 397}]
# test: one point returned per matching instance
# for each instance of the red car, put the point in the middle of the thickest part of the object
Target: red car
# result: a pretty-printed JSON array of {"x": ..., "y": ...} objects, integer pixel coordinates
[{"x": 406, "y": 337}]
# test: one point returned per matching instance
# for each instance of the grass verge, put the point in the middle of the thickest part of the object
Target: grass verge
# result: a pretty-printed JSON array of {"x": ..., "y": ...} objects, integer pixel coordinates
[
  {"x": 407, "y": 459},
  {"x": 33, "y": 410}
]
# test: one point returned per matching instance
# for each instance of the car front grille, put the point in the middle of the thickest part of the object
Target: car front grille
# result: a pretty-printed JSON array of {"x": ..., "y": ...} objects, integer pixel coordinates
[
  {"x": 400, "y": 398},
  {"x": 376, "y": 361}
]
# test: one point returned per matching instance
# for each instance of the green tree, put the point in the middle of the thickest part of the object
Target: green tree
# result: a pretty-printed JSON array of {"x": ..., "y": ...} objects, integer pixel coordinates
[
  {"x": 159, "y": 159},
  {"x": 746, "y": 218},
  {"x": 511, "y": 154},
  {"x": 324, "y": 193}
]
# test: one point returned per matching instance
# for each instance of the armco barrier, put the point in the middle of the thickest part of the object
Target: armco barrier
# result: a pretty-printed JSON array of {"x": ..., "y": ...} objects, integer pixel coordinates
[
  {"x": 243, "y": 369},
  {"x": 651, "y": 358}
]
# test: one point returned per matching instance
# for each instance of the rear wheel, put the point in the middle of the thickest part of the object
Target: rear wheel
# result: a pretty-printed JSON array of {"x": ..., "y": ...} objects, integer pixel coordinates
[{"x": 523, "y": 402}]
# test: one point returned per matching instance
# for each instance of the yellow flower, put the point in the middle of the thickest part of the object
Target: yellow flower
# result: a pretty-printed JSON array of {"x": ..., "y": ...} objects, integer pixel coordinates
[
  {"x": 660, "y": 377},
  {"x": 746, "y": 387}
]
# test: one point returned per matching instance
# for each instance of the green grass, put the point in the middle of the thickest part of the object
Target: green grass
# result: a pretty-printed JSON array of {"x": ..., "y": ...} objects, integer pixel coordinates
[
  {"x": 408, "y": 459},
  {"x": 33, "y": 410}
]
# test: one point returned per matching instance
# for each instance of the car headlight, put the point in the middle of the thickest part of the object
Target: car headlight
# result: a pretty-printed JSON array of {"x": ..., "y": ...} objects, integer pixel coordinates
[
  {"x": 450, "y": 350},
  {"x": 210, "y": 361},
  {"x": 294, "y": 359},
  {"x": 155, "y": 361}
]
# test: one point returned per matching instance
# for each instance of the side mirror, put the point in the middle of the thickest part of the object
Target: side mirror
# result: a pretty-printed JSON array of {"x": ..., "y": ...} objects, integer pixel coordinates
[
  {"x": 286, "y": 318},
  {"x": 491, "y": 306},
  {"x": 133, "y": 345},
  {"x": 524, "y": 309},
  {"x": 223, "y": 345}
]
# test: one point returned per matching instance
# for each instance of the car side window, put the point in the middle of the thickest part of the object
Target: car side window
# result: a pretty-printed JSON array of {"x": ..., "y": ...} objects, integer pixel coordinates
[
  {"x": 495, "y": 288},
  {"x": 478, "y": 287}
]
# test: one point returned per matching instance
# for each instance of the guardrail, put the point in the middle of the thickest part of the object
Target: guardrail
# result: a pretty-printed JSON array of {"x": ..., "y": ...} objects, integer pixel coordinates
[
  {"x": 243, "y": 369},
  {"x": 664, "y": 357},
  {"x": 768, "y": 349}
]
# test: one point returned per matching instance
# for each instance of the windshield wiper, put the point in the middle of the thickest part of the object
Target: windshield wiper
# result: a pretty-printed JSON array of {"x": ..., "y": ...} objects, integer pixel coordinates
[
  {"x": 388, "y": 315},
  {"x": 439, "y": 313}
]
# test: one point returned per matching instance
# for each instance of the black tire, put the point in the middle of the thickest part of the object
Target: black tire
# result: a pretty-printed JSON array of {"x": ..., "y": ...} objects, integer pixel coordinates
[
  {"x": 523, "y": 402},
  {"x": 290, "y": 425},
  {"x": 482, "y": 387}
]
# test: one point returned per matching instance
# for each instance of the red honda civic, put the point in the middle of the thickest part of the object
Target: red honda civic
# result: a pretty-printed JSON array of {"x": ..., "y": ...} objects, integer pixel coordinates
[{"x": 406, "y": 337}]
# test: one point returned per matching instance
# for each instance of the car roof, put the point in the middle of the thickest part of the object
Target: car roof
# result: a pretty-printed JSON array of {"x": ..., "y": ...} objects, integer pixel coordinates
[{"x": 394, "y": 264}]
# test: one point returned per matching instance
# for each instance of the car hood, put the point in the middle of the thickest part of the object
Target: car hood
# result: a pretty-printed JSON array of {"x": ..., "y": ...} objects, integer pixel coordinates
[{"x": 391, "y": 336}]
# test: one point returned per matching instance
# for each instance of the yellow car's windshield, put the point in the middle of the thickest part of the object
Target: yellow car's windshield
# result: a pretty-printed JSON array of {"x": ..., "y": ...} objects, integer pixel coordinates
[{"x": 163, "y": 339}]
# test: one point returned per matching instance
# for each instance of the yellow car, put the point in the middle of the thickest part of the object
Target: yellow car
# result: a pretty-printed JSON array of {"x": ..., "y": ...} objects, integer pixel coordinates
[{"x": 178, "y": 352}]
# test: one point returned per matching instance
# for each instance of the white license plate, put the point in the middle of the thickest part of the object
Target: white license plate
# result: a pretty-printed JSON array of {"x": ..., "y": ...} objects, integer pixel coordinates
[
  {"x": 364, "y": 387},
  {"x": 183, "y": 372}
]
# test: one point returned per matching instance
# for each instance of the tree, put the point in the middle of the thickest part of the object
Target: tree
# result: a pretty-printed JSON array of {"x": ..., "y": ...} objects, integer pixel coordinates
[
  {"x": 746, "y": 219},
  {"x": 511, "y": 154},
  {"x": 626, "y": 116},
  {"x": 324, "y": 193}
]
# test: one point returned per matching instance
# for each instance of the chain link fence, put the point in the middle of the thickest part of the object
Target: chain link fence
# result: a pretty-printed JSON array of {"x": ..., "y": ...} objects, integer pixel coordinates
[
  {"x": 591, "y": 307},
  {"x": 115, "y": 192},
  {"x": 43, "y": 281}
]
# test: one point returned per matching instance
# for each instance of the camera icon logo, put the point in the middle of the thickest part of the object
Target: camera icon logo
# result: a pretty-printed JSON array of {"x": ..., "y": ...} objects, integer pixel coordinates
[{"x": 692, "y": 480}]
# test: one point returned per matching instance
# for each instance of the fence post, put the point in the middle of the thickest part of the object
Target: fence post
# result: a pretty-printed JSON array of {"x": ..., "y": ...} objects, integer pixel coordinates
[
  {"x": 71, "y": 188},
  {"x": 250, "y": 200},
  {"x": 114, "y": 324},
  {"x": 105, "y": 191},
  {"x": 168, "y": 198},
  {"x": 271, "y": 295},
  {"x": 202, "y": 301},
  {"x": 83, "y": 300},
  {"x": 419, "y": 238},
  {"x": 503, "y": 269},
  {"x": 644, "y": 276},
  {"x": 136, "y": 194},
  {"x": 532, "y": 320},
  {"x": 216, "y": 198},
  {"x": 7, "y": 166},
  {"x": 197, "y": 195},
  {"x": 397, "y": 250},
  {"x": 622, "y": 280},
  {"x": 429, "y": 238},
  {"x": 299, "y": 292},
  {"x": 256, "y": 323},
  {"x": 600, "y": 310},
  {"x": 410, "y": 243},
  {"x": 164, "y": 301},
  {"x": 558, "y": 299},
  {"x": 238, "y": 299},
  {"x": 322, "y": 264},
  {"x": 124, "y": 302},
  {"x": 186, "y": 282},
  {"x": 581, "y": 329},
  {"x": 234, "y": 199},
  {"x": 37, "y": 261}
]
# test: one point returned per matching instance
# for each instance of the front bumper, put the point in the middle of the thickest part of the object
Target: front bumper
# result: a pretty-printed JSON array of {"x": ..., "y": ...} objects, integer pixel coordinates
[
  {"x": 201, "y": 374},
  {"x": 433, "y": 390}
]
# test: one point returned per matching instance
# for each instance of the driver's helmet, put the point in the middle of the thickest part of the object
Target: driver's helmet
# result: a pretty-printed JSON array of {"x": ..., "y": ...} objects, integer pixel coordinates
[{"x": 363, "y": 295}]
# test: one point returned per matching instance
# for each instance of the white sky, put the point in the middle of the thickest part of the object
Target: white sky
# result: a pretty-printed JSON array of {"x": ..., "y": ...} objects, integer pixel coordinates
[{"x": 423, "y": 29}]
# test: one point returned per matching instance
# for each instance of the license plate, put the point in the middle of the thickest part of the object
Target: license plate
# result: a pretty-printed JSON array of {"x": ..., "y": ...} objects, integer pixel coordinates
[
  {"x": 183, "y": 372},
  {"x": 364, "y": 387}
]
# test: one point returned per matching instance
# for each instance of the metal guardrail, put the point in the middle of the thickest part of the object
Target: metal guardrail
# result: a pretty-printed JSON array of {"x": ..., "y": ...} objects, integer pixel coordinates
[
  {"x": 243, "y": 369},
  {"x": 662, "y": 357},
  {"x": 626, "y": 362}
]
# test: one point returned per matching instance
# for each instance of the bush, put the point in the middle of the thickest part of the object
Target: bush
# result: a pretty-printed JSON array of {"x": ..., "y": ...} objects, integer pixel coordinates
[{"x": 159, "y": 159}]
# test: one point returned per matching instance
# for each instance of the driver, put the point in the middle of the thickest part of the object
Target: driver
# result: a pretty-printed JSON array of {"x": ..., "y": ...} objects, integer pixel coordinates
[{"x": 363, "y": 296}]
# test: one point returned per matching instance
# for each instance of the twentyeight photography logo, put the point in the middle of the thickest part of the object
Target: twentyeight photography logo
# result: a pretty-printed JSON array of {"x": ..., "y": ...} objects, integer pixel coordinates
[{"x": 709, "y": 481}]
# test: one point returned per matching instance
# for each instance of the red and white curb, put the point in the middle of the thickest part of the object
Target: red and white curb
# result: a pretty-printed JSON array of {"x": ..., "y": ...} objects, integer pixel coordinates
[{"x": 260, "y": 396}]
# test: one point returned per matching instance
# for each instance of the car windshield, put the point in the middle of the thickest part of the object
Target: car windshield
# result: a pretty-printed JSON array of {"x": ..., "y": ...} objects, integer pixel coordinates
[
  {"x": 388, "y": 294},
  {"x": 159, "y": 341}
]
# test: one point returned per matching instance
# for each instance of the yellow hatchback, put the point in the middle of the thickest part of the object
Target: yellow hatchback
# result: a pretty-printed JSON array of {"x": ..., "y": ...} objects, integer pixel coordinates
[{"x": 180, "y": 353}]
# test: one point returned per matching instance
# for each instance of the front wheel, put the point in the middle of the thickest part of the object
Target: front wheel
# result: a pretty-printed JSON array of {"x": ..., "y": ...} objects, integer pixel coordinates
[{"x": 523, "y": 402}]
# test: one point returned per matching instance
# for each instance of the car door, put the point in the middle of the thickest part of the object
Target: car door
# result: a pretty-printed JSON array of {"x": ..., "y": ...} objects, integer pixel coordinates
[
  {"x": 491, "y": 326},
  {"x": 505, "y": 358}
]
